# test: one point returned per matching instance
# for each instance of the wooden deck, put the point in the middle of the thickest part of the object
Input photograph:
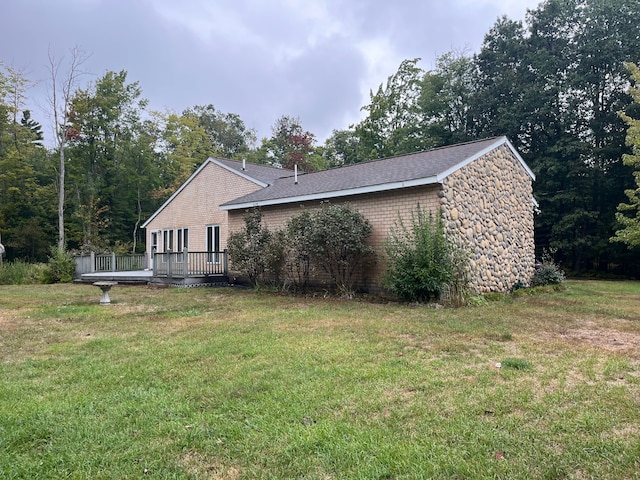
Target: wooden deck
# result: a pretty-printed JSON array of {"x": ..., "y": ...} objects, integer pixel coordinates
[
  {"x": 126, "y": 278},
  {"x": 175, "y": 269}
]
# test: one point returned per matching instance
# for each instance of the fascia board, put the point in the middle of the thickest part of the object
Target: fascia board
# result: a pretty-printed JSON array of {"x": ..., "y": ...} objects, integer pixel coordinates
[
  {"x": 177, "y": 192},
  {"x": 520, "y": 159},
  {"x": 498, "y": 143},
  {"x": 193, "y": 175},
  {"x": 335, "y": 194}
]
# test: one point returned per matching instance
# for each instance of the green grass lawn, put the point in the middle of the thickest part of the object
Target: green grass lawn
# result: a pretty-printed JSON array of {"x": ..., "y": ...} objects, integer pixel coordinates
[{"x": 233, "y": 384}]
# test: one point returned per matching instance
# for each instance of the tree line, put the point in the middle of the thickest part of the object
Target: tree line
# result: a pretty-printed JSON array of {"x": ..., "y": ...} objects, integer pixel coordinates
[{"x": 555, "y": 84}]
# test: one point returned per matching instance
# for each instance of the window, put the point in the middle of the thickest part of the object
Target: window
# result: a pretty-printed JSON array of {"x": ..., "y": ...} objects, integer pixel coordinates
[
  {"x": 213, "y": 243},
  {"x": 183, "y": 239},
  {"x": 167, "y": 240}
]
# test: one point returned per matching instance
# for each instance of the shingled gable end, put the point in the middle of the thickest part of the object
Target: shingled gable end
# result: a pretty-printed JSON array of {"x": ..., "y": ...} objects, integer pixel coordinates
[{"x": 483, "y": 188}]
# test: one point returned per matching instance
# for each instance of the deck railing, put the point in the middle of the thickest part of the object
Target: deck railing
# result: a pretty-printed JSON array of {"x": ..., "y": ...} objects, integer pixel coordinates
[
  {"x": 110, "y": 262},
  {"x": 189, "y": 264}
]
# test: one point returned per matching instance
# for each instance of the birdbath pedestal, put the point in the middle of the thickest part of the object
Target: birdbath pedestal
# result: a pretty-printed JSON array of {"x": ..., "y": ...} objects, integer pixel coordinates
[{"x": 105, "y": 287}]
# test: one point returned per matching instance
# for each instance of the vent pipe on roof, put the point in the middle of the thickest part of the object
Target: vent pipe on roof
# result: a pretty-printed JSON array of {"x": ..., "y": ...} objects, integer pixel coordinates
[
  {"x": 295, "y": 174},
  {"x": 244, "y": 164}
]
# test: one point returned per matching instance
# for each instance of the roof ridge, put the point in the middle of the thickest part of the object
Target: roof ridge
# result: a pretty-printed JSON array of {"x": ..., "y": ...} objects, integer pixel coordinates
[
  {"x": 239, "y": 162},
  {"x": 401, "y": 155}
]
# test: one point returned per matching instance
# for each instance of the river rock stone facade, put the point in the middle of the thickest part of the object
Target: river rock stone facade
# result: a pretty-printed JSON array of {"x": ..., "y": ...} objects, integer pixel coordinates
[{"x": 488, "y": 208}]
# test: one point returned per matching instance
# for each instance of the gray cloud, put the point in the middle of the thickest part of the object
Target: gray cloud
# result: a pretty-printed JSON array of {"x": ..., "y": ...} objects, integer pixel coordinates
[{"x": 261, "y": 60}]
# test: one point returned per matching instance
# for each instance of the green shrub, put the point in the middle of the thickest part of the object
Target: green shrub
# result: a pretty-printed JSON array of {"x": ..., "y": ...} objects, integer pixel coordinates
[
  {"x": 524, "y": 292},
  {"x": 332, "y": 239},
  {"x": 274, "y": 257},
  {"x": 476, "y": 301},
  {"x": 20, "y": 272},
  {"x": 338, "y": 244},
  {"x": 457, "y": 290},
  {"x": 422, "y": 263},
  {"x": 299, "y": 252},
  {"x": 547, "y": 272},
  {"x": 518, "y": 285},
  {"x": 62, "y": 266},
  {"x": 247, "y": 248}
]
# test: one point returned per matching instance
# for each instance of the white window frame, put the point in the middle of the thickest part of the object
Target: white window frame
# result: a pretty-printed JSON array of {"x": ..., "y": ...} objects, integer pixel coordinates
[
  {"x": 213, "y": 243},
  {"x": 167, "y": 240},
  {"x": 182, "y": 239}
]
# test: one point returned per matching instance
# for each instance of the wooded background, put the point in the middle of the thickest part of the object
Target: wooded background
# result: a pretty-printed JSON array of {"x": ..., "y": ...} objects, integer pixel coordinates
[{"x": 555, "y": 85}]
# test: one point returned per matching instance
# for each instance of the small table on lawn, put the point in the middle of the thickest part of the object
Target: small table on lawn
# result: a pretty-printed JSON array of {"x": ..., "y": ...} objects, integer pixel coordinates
[{"x": 105, "y": 287}]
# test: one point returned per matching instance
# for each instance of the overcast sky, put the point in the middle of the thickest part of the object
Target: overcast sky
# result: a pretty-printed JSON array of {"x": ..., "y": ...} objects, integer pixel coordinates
[{"x": 312, "y": 59}]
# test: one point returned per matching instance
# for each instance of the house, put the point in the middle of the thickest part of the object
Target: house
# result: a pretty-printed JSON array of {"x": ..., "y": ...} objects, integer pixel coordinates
[
  {"x": 483, "y": 189},
  {"x": 191, "y": 220}
]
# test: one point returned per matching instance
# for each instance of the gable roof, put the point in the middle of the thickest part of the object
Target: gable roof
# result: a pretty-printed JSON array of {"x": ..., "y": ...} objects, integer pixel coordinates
[
  {"x": 261, "y": 175},
  {"x": 422, "y": 168}
]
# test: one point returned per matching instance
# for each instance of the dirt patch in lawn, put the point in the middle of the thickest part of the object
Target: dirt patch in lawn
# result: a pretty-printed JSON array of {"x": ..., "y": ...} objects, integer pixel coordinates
[
  {"x": 611, "y": 340},
  {"x": 7, "y": 321},
  {"x": 203, "y": 467}
]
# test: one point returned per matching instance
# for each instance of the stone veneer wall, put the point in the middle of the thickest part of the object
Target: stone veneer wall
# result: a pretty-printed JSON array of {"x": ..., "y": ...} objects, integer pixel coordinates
[{"x": 488, "y": 206}]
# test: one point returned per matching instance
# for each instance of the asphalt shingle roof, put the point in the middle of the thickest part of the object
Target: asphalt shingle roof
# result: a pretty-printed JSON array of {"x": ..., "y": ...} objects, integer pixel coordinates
[
  {"x": 262, "y": 173},
  {"x": 393, "y": 171}
]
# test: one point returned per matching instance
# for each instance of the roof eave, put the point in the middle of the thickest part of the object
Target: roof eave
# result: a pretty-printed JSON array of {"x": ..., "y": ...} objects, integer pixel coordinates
[
  {"x": 335, "y": 194},
  {"x": 177, "y": 192},
  {"x": 520, "y": 159},
  {"x": 498, "y": 143}
]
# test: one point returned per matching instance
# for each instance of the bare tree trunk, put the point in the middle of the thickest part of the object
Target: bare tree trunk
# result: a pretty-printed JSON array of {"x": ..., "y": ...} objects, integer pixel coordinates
[
  {"x": 60, "y": 97},
  {"x": 135, "y": 227},
  {"x": 61, "y": 174}
]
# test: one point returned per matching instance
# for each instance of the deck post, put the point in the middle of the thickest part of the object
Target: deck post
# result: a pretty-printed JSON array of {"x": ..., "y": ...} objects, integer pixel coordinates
[
  {"x": 113, "y": 261},
  {"x": 92, "y": 259},
  {"x": 226, "y": 262},
  {"x": 185, "y": 262}
]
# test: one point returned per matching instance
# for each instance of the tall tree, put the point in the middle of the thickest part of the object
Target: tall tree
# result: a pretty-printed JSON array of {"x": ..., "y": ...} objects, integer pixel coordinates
[
  {"x": 555, "y": 88},
  {"x": 499, "y": 96},
  {"x": 105, "y": 151},
  {"x": 228, "y": 135},
  {"x": 23, "y": 213},
  {"x": 291, "y": 145},
  {"x": 394, "y": 117},
  {"x": 446, "y": 100},
  {"x": 34, "y": 126},
  {"x": 184, "y": 144},
  {"x": 342, "y": 148},
  {"x": 61, "y": 90},
  {"x": 416, "y": 110},
  {"x": 628, "y": 215}
]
